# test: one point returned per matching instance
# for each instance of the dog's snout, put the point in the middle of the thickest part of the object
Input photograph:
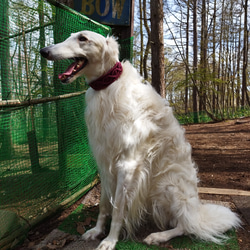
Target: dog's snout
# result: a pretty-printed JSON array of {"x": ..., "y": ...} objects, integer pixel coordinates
[{"x": 45, "y": 52}]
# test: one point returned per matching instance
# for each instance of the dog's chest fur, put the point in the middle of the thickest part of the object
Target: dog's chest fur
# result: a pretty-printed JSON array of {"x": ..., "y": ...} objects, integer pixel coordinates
[{"x": 124, "y": 114}]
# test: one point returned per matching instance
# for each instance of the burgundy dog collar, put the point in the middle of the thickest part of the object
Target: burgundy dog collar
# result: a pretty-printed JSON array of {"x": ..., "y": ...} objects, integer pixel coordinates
[{"x": 107, "y": 79}]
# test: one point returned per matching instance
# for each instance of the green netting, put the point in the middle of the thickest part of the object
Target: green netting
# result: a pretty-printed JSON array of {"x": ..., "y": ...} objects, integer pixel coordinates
[
  {"x": 44, "y": 153},
  {"x": 126, "y": 51}
]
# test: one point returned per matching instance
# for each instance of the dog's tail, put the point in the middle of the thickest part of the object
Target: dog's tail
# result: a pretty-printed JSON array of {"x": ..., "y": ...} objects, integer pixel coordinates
[{"x": 212, "y": 222}]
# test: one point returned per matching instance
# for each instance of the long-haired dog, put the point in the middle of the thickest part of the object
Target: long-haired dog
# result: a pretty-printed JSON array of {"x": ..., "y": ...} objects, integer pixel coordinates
[{"x": 143, "y": 157}]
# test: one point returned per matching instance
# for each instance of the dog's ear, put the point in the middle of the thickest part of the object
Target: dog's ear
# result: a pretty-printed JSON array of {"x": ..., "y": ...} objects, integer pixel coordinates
[{"x": 112, "y": 48}]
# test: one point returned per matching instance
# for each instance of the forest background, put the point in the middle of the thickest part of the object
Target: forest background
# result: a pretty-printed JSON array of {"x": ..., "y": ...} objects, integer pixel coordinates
[{"x": 205, "y": 47}]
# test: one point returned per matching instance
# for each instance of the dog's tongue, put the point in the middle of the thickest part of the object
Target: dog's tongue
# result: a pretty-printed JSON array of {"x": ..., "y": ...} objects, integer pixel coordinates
[{"x": 68, "y": 71}]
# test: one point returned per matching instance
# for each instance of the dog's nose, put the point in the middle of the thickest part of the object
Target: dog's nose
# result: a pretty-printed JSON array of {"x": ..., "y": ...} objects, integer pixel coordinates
[{"x": 44, "y": 52}]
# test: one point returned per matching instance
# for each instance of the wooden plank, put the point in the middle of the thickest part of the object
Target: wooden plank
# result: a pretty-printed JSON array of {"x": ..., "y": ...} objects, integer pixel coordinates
[
  {"x": 223, "y": 191},
  {"x": 17, "y": 103}
]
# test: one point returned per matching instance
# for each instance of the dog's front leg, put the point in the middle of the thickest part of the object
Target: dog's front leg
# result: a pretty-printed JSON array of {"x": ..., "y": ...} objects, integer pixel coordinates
[
  {"x": 117, "y": 215},
  {"x": 105, "y": 210}
]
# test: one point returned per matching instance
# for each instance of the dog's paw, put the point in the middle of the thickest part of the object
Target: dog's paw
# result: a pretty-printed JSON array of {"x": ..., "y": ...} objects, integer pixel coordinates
[
  {"x": 107, "y": 244},
  {"x": 91, "y": 234},
  {"x": 152, "y": 239}
]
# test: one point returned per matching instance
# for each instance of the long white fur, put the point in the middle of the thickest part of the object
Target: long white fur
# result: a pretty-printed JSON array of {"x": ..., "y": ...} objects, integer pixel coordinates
[{"x": 143, "y": 157}]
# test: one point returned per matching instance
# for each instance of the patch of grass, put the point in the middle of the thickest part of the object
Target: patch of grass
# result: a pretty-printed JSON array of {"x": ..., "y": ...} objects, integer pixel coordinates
[{"x": 81, "y": 213}]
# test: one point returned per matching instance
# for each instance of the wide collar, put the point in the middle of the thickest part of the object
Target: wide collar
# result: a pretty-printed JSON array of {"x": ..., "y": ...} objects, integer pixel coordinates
[{"x": 105, "y": 80}]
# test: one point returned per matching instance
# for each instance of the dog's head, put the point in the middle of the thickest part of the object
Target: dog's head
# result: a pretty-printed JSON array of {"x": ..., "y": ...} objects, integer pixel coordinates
[{"x": 93, "y": 55}]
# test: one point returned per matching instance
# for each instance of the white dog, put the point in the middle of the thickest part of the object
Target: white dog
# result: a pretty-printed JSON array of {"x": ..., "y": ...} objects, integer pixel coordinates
[{"x": 144, "y": 160}]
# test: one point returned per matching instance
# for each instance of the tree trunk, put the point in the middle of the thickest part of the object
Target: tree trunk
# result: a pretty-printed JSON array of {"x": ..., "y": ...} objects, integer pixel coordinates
[
  {"x": 44, "y": 77},
  {"x": 157, "y": 46},
  {"x": 203, "y": 56},
  {"x": 238, "y": 64},
  {"x": 195, "y": 61},
  {"x": 187, "y": 56},
  {"x": 244, "y": 95},
  {"x": 146, "y": 53},
  {"x": 141, "y": 36},
  {"x": 214, "y": 59},
  {"x": 220, "y": 63}
]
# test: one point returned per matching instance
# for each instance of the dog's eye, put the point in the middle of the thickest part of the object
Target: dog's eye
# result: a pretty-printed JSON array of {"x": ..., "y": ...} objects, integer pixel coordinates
[{"x": 82, "y": 38}]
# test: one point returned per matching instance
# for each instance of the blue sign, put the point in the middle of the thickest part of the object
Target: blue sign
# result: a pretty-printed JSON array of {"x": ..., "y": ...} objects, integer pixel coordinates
[{"x": 110, "y": 12}]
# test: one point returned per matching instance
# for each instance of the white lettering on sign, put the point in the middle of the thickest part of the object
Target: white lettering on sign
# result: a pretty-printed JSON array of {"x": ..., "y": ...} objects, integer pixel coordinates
[{"x": 90, "y": 6}]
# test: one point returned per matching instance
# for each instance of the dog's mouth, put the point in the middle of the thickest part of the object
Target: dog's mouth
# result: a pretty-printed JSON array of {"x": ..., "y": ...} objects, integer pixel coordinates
[{"x": 78, "y": 64}]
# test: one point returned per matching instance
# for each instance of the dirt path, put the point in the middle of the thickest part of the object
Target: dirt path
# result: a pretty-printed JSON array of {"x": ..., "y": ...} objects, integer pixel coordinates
[{"x": 222, "y": 153}]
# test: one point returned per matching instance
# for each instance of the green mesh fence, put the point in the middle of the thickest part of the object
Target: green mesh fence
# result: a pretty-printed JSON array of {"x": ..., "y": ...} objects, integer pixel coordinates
[{"x": 45, "y": 161}]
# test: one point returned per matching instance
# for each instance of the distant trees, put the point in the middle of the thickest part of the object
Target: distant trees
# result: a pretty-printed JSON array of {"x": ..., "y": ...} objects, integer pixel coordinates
[
  {"x": 209, "y": 40},
  {"x": 157, "y": 46}
]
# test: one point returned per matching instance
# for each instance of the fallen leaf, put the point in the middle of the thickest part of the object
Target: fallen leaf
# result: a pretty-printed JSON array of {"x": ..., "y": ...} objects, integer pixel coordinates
[
  {"x": 80, "y": 228},
  {"x": 56, "y": 244},
  {"x": 94, "y": 209},
  {"x": 87, "y": 221},
  {"x": 31, "y": 244}
]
